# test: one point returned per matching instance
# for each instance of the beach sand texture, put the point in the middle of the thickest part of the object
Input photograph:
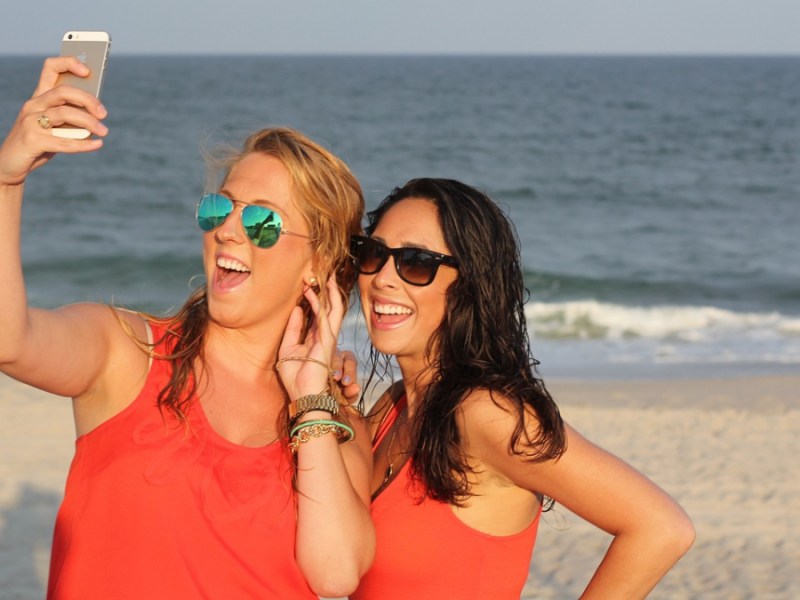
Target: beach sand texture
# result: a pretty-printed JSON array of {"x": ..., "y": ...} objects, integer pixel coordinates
[{"x": 727, "y": 450}]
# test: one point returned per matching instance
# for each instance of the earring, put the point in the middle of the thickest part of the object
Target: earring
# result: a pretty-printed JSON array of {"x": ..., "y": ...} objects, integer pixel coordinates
[{"x": 312, "y": 282}]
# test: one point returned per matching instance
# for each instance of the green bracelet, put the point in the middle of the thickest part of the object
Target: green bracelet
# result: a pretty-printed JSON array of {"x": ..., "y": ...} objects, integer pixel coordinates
[
  {"x": 336, "y": 424},
  {"x": 303, "y": 432}
]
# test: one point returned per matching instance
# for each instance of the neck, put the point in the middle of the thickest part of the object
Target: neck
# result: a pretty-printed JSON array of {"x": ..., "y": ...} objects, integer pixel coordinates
[
  {"x": 415, "y": 384},
  {"x": 253, "y": 352}
]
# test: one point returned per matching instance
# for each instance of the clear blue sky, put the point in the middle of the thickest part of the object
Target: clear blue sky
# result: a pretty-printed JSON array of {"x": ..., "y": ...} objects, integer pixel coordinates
[{"x": 410, "y": 26}]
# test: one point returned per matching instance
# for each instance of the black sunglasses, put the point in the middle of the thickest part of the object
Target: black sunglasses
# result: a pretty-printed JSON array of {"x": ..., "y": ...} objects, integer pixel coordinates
[{"x": 414, "y": 265}]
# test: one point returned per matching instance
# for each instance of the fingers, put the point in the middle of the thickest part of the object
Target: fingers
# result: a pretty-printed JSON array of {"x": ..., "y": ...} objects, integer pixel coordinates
[
  {"x": 344, "y": 367},
  {"x": 334, "y": 314},
  {"x": 53, "y": 68},
  {"x": 336, "y": 304},
  {"x": 71, "y": 105},
  {"x": 351, "y": 392},
  {"x": 294, "y": 328},
  {"x": 75, "y": 118},
  {"x": 66, "y": 104}
]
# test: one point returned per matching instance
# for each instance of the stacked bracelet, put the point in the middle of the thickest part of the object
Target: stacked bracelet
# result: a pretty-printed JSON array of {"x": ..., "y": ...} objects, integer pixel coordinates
[
  {"x": 303, "y": 432},
  {"x": 323, "y": 401}
]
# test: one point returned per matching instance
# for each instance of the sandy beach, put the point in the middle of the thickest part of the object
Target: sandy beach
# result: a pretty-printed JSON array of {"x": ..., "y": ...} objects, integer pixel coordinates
[{"x": 726, "y": 449}]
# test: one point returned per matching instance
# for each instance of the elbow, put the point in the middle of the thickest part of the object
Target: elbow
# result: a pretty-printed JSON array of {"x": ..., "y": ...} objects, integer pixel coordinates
[
  {"x": 678, "y": 537},
  {"x": 336, "y": 577},
  {"x": 11, "y": 349},
  {"x": 7, "y": 360},
  {"x": 335, "y": 585},
  {"x": 685, "y": 537}
]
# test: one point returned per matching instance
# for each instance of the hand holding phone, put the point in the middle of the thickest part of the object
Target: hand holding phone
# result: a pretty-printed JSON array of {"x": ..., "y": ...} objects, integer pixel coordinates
[{"x": 91, "y": 48}]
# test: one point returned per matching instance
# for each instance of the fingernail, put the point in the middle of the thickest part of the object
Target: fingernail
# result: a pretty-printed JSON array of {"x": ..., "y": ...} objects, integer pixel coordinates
[
  {"x": 102, "y": 111},
  {"x": 347, "y": 379},
  {"x": 337, "y": 373}
]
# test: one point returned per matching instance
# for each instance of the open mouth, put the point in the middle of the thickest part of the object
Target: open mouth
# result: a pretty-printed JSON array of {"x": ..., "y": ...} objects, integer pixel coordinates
[
  {"x": 230, "y": 273},
  {"x": 390, "y": 313}
]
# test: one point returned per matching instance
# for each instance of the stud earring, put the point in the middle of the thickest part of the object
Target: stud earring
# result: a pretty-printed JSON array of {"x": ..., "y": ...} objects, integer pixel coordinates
[{"x": 312, "y": 282}]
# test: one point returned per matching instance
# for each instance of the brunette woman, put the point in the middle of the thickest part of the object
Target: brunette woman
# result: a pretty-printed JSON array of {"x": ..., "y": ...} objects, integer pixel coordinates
[{"x": 468, "y": 444}]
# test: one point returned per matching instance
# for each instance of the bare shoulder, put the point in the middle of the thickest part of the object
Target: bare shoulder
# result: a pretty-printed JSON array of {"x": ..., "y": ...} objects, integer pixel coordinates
[
  {"x": 490, "y": 418},
  {"x": 122, "y": 374},
  {"x": 119, "y": 335},
  {"x": 490, "y": 422},
  {"x": 67, "y": 350}
]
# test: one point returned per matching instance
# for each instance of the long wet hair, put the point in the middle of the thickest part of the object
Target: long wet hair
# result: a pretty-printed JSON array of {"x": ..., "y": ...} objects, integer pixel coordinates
[
  {"x": 330, "y": 199},
  {"x": 481, "y": 344}
]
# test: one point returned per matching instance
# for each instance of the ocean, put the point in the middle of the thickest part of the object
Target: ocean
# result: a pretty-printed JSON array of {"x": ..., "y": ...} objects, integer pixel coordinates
[{"x": 655, "y": 198}]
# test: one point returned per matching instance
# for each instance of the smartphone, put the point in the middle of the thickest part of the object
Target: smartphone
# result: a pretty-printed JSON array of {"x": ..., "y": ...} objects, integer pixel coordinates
[{"x": 91, "y": 48}]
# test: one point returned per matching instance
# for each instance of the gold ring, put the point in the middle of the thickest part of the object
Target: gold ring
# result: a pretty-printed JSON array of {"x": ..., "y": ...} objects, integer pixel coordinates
[{"x": 44, "y": 121}]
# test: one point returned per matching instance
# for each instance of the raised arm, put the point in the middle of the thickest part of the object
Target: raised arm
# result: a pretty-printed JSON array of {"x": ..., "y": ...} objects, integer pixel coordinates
[
  {"x": 61, "y": 351},
  {"x": 335, "y": 537}
]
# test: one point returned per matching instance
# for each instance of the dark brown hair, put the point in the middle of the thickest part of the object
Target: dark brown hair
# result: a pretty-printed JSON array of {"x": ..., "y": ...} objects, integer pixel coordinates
[{"x": 481, "y": 344}]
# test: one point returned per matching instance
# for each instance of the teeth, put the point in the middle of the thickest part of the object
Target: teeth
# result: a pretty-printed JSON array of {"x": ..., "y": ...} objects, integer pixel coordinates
[
  {"x": 390, "y": 309},
  {"x": 231, "y": 265}
]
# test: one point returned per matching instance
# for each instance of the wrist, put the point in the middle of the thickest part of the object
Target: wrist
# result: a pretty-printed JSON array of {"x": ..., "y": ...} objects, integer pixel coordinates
[
  {"x": 312, "y": 403},
  {"x": 11, "y": 190},
  {"x": 308, "y": 429}
]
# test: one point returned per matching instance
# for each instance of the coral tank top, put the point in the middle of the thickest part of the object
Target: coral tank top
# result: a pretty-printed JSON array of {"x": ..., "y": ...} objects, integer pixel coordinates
[
  {"x": 425, "y": 552},
  {"x": 155, "y": 509}
]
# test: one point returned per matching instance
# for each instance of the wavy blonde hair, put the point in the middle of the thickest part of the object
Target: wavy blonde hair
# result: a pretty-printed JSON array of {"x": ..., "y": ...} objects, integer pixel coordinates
[{"x": 330, "y": 199}]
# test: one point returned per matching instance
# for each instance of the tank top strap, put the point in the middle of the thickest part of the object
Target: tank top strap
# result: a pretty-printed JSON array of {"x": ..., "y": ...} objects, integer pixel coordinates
[
  {"x": 159, "y": 338},
  {"x": 389, "y": 419}
]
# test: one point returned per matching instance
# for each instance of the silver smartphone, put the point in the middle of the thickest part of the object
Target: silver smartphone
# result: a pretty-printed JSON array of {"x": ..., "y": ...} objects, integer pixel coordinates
[{"x": 91, "y": 48}]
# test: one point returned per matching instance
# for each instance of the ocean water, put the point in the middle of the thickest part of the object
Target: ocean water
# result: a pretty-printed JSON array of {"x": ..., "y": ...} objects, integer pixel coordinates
[{"x": 656, "y": 199}]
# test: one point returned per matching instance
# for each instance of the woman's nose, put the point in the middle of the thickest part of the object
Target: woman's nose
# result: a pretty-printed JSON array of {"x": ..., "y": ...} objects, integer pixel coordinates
[{"x": 231, "y": 228}]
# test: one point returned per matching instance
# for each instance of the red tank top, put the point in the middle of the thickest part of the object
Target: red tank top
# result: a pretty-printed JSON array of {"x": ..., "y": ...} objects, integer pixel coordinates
[
  {"x": 155, "y": 509},
  {"x": 425, "y": 552}
]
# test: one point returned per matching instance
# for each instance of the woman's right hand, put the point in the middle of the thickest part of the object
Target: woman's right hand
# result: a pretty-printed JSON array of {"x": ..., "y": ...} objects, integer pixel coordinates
[{"x": 29, "y": 145}]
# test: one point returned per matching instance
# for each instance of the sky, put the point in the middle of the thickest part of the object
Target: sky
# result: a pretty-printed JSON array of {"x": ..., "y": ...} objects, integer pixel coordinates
[{"x": 409, "y": 26}]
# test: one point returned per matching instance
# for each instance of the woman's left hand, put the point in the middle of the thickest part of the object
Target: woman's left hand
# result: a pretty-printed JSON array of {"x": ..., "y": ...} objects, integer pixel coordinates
[{"x": 305, "y": 365}]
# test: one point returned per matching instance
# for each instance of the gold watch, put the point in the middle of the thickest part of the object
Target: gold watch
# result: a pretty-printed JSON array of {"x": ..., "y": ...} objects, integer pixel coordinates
[{"x": 322, "y": 401}]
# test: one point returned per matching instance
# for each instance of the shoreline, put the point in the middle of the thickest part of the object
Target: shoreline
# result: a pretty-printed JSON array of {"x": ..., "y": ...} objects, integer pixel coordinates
[{"x": 724, "y": 448}]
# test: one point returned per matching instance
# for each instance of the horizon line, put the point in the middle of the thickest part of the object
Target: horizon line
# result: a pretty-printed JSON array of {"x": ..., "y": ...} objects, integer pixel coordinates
[{"x": 493, "y": 54}]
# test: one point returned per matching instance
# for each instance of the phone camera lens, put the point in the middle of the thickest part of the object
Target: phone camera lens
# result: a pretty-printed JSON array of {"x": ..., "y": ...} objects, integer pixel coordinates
[{"x": 69, "y": 37}]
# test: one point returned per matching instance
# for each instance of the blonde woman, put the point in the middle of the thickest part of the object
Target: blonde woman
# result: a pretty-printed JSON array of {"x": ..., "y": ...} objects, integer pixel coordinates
[{"x": 190, "y": 479}]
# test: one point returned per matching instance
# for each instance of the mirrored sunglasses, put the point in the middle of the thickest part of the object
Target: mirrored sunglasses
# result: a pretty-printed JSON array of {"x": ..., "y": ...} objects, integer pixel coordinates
[{"x": 262, "y": 225}]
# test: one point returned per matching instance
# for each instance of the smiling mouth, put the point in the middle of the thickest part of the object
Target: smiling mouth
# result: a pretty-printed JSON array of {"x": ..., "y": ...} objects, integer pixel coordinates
[
  {"x": 230, "y": 273},
  {"x": 390, "y": 313}
]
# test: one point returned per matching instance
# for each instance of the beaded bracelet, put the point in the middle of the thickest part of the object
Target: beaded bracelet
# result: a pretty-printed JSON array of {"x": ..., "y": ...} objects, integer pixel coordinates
[{"x": 302, "y": 432}]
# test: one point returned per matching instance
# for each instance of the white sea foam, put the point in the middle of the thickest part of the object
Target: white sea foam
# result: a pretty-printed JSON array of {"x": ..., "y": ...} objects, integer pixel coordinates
[{"x": 590, "y": 319}]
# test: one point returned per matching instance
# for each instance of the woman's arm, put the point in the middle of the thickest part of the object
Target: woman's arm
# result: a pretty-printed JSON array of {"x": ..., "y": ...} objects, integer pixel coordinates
[
  {"x": 60, "y": 351},
  {"x": 651, "y": 531},
  {"x": 335, "y": 541},
  {"x": 335, "y": 535}
]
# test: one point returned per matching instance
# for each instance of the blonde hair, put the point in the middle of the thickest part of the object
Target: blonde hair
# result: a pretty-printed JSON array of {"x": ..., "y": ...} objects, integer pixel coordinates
[
  {"x": 329, "y": 197},
  {"x": 324, "y": 189}
]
